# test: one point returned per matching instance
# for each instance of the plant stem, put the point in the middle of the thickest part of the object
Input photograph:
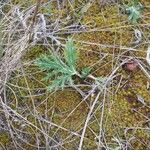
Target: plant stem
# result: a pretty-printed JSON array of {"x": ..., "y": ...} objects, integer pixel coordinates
[{"x": 91, "y": 76}]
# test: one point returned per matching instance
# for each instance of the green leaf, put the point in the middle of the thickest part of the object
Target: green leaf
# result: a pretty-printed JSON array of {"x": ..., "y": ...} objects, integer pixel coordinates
[
  {"x": 50, "y": 75},
  {"x": 59, "y": 82},
  {"x": 117, "y": 148},
  {"x": 85, "y": 72},
  {"x": 70, "y": 53},
  {"x": 134, "y": 14},
  {"x": 100, "y": 81},
  {"x": 134, "y": 11},
  {"x": 135, "y": 2}
]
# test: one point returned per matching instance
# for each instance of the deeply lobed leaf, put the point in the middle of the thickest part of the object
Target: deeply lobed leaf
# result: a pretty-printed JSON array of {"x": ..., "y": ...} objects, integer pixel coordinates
[{"x": 55, "y": 66}]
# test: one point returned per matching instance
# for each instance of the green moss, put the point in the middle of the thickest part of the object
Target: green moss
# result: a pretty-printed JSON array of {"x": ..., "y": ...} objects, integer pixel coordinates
[{"x": 4, "y": 138}]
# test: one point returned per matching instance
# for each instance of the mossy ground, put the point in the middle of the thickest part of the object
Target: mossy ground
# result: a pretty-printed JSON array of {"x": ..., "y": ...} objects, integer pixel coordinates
[{"x": 124, "y": 118}]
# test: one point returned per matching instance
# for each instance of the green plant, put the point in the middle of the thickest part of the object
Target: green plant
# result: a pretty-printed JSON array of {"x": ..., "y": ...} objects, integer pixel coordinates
[
  {"x": 133, "y": 11},
  {"x": 60, "y": 69}
]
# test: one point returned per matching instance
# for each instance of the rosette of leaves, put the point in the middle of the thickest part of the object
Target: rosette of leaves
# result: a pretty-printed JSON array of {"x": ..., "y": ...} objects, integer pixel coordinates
[
  {"x": 134, "y": 11},
  {"x": 61, "y": 69}
]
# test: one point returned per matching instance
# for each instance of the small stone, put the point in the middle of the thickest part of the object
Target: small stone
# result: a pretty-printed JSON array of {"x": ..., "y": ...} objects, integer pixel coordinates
[{"x": 131, "y": 65}]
